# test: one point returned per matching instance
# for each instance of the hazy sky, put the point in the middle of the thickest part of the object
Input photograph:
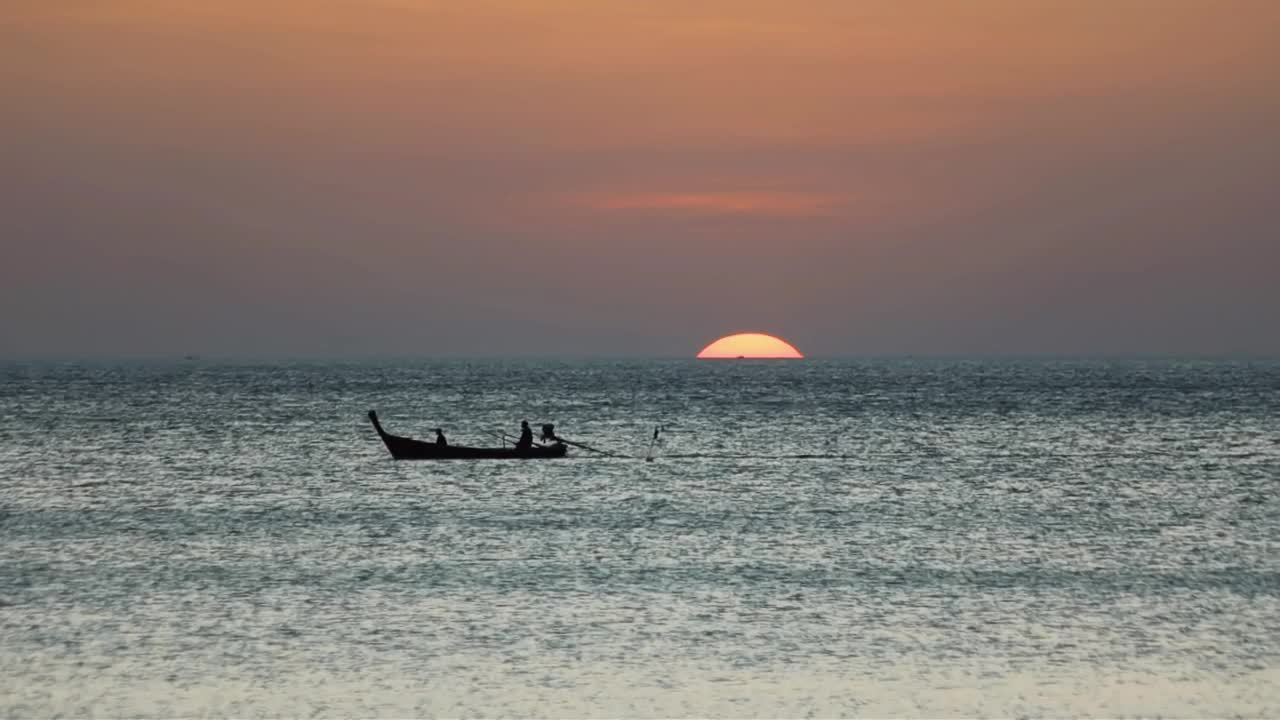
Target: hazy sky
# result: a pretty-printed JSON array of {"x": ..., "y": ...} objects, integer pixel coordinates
[{"x": 324, "y": 177}]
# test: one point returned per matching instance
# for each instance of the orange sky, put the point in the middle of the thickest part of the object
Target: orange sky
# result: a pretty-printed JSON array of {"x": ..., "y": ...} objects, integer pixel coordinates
[{"x": 631, "y": 177}]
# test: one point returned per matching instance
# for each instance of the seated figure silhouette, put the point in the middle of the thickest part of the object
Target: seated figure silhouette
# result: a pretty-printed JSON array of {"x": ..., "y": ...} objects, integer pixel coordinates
[
  {"x": 549, "y": 433},
  {"x": 526, "y": 436}
]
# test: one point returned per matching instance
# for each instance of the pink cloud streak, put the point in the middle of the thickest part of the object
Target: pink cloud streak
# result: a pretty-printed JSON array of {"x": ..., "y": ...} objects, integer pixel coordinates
[{"x": 749, "y": 202}]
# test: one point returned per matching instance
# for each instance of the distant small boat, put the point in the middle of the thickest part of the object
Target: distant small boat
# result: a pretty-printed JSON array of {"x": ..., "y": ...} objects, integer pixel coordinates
[{"x": 403, "y": 448}]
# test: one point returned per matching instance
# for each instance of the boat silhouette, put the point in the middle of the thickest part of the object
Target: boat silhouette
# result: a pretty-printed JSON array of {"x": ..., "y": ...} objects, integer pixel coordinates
[{"x": 403, "y": 448}]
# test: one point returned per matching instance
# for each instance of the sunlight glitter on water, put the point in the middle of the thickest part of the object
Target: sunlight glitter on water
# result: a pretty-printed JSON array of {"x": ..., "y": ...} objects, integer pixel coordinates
[{"x": 993, "y": 539}]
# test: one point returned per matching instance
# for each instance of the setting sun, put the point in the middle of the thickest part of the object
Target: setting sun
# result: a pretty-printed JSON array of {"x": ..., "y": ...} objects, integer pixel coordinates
[{"x": 750, "y": 345}]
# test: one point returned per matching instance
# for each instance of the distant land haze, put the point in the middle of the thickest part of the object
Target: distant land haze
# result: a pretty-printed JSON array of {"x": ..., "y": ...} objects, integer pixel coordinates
[{"x": 402, "y": 177}]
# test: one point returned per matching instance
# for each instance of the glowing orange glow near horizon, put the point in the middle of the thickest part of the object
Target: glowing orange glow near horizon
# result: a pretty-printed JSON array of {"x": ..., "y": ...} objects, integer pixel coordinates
[{"x": 750, "y": 345}]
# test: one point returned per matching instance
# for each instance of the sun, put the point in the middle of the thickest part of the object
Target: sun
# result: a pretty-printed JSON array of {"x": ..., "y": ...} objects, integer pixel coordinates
[{"x": 750, "y": 345}]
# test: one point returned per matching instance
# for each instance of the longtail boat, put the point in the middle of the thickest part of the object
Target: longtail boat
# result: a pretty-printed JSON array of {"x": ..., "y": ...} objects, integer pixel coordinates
[{"x": 403, "y": 448}]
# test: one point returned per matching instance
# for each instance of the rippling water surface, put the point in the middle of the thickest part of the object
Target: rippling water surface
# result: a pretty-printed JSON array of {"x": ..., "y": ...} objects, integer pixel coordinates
[{"x": 901, "y": 537}]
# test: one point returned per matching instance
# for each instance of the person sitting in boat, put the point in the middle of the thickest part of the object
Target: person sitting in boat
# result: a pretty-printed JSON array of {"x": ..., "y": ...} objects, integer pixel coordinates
[
  {"x": 526, "y": 436},
  {"x": 549, "y": 433},
  {"x": 440, "y": 441}
]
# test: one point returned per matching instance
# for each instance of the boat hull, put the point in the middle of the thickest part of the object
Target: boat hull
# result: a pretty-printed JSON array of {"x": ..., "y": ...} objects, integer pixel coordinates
[{"x": 403, "y": 448}]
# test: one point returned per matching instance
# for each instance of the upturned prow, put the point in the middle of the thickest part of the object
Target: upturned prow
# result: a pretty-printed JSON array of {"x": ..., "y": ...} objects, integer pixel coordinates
[{"x": 373, "y": 418}]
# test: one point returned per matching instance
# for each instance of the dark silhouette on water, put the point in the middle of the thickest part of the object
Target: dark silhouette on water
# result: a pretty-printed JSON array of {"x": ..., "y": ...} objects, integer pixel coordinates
[
  {"x": 649, "y": 455},
  {"x": 440, "y": 441},
  {"x": 526, "y": 436},
  {"x": 403, "y": 448}
]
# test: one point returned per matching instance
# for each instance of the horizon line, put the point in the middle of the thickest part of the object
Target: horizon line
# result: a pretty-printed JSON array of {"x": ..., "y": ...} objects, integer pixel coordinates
[{"x": 196, "y": 358}]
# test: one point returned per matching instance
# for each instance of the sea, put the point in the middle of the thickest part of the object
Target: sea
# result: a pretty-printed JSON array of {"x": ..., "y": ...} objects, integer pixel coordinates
[{"x": 875, "y": 537}]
